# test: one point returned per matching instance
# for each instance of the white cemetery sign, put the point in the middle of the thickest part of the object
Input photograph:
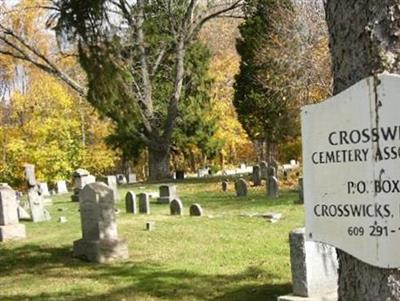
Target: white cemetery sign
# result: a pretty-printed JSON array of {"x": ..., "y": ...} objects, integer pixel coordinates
[{"x": 351, "y": 153}]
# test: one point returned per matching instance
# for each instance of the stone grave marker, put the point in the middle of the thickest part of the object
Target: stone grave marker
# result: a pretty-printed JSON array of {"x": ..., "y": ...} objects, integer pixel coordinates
[
  {"x": 241, "y": 187},
  {"x": 264, "y": 170},
  {"x": 81, "y": 178},
  {"x": 121, "y": 179},
  {"x": 176, "y": 207},
  {"x": 130, "y": 202},
  {"x": 44, "y": 189},
  {"x": 273, "y": 187},
  {"x": 196, "y": 210},
  {"x": 61, "y": 187},
  {"x": 272, "y": 172},
  {"x": 10, "y": 228},
  {"x": 132, "y": 178},
  {"x": 144, "y": 203},
  {"x": 256, "y": 175},
  {"x": 111, "y": 181},
  {"x": 180, "y": 175},
  {"x": 225, "y": 186},
  {"x": 35, "y": 198},
  {"x": 314, "y": 269},
  {"x": 167, "y": 194},
  {"x": 100, "y": 242}
]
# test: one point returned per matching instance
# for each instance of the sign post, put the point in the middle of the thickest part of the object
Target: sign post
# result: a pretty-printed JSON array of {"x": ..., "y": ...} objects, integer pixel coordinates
[{"x": 351, "y": 156}]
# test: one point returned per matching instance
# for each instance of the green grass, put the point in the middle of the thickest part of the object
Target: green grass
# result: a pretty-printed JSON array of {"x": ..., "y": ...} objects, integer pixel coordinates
[{"x": 221, "y": 256}]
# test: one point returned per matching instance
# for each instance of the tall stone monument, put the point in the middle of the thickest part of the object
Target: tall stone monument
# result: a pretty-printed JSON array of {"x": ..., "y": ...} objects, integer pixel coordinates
[
  {"x": 273, "y": 187},
  {"x": 100, "y": 242},
  {"x": 10, "y": 228},
  {"x": 36, "y": 202},
  {"x": 256, "y": 175}
]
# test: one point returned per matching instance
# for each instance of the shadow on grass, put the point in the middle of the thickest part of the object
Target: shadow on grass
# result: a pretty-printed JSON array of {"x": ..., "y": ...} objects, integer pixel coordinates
[{"x": 129, "y": 280}]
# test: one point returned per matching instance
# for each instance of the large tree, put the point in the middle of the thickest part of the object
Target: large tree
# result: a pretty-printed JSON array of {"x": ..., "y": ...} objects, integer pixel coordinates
[
  {"x": 364, "y": 41},
  {"x": 128, "y": 49}
]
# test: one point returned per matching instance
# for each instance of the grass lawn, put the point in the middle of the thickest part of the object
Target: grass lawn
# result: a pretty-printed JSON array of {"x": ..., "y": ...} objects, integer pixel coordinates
[{"x": 221, "y": 256}]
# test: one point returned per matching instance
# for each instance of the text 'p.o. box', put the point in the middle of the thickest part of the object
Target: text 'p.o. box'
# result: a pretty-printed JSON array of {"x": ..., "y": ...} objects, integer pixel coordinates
[{"x": 351, "y": 155}]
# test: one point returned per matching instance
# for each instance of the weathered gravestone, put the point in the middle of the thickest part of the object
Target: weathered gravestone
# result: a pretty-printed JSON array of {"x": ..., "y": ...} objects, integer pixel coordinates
[
  {"x": 241, "y": 187},
  {"x": 100, "y": 242},
  {"x": 111, "y": 181},
  {"x": 195, "y": 210},
  {"x": 314, "y": 269},
  {"x": 61, "y": 187},
  {"x": 144, "y": 203},
  {"x": 131, "y": 178},
  {"x": 44, "y": 189},
  {"x": 167, "y": 194},
  {"x": 264, "y": 170},
  {"x": 121, "y": 179},
  {"x": 81, "y": 178},
  {"x": 130, "y": 202},
  {"x": 272, "y": 172},
  {"x": 36, "y": 202},
  {"x": 352, "y": 169},
  {"x": 273, "y": 187},
  {"x": 225, "y": 186},
  {"x": 10, "y": 228},
  {"x": 180, "y": 175},
  {"x": 176, "y": 207},
  {"x": 256, "y": 175}
]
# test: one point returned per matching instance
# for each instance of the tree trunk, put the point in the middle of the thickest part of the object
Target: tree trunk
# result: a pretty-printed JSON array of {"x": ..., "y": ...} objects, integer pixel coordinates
[
  {"x": 159, "y": 164},
  {"x": 364, "y": 41}
]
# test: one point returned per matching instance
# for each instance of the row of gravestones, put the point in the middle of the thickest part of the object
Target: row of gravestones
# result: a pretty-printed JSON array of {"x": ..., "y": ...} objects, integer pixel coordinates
[
  {"x": 176, "y": 206},
  {"x": 241, "y": 187}
]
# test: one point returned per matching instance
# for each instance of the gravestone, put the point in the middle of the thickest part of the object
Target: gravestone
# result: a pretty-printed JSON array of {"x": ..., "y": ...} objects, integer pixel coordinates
[
  {"x": 180, "y": 175},
  {"x": 167, "y": 194},
  {"x": 35, "y": 198},
  {"x": 273, "y": 187},
  {"x": 301, "y": 191},
  {"x": 196, "y": 210},
  {"x": 10, "y": 228},
  {"x": 144, "y": 203},
  {"x": 100, "y": 242},
  {"x": 272, "y": 172},
  {"x": 132, "y": 178},
  {"x": 130, "y": 202},
  {"x": 176, "y": 207},
  {"x": 225, "y": 186},
  {"x": 111, "y": 181},
  {"x": 44, "y": 189},
  {"x": 121, "y": 179},
  {"x": 61, "y": 187},
  {"x": 81, "y": 178},
  {"x": 256, "y": 175},
  {"x": 203, "y": 172},
  {"x": 241, "y": 187},
  {"x": 314, "y": 269},
  {"x": 264, "y": 170}
]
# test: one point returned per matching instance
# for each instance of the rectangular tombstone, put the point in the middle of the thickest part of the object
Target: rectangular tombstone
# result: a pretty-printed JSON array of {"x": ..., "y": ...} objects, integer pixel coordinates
[
  {"x": 256, "y": 175},
  {"x": 167, "y": 194},
  {"x": 81, "y": 178},
  {"x": 10, "y": 229},
  {"x": 44, "y": 189},
  {"x": 130, "y": 202},
  {"x": 30, "y": 175},
  {"x": 61, "y": 187},
  {"x": 99, "y": 241},
  {"x": 36, "y": 203},
  {"x": 111, "y": 181},
  {"x": 314, "y": 269},
  {"x": 132, "y": 178},
  {"x": 264, "y": 170}
]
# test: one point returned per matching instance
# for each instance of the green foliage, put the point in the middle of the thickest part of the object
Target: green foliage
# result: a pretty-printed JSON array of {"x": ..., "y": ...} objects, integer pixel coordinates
[{"x": 262, "y": 95}]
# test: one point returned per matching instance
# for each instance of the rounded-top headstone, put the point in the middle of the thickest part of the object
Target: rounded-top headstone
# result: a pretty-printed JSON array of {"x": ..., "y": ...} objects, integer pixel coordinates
[
  {"x": 241, "y": 187},
  {"x": 224, "y": 186},
  {"x": 176, "y": 207},
  {"x": 196, "y": 210},
  {"x": 130, "y": 202}
]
